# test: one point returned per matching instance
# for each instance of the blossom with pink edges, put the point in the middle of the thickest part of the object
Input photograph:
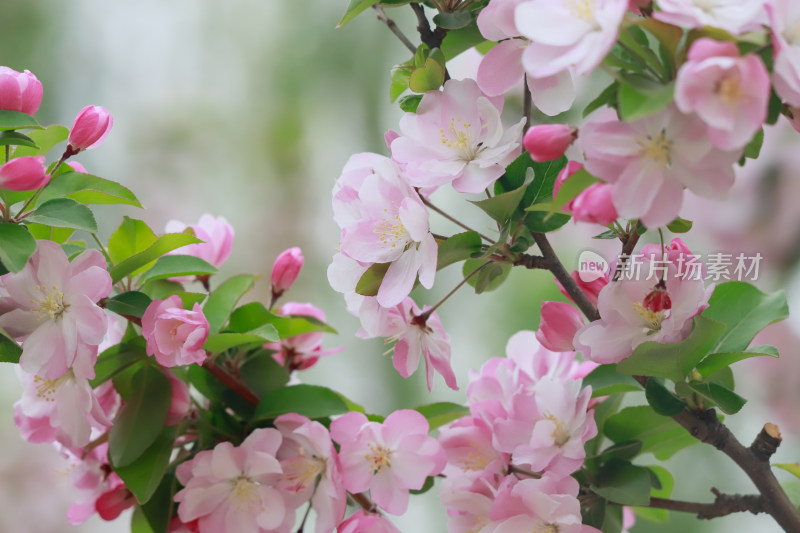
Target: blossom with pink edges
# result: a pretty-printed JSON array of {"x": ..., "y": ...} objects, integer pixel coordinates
[
  {"x": 215, "y": 232},
  {"x": 628, "y": 317},
  {"x": 53, "y": 311},
  {"x": 234, "y": 488},
  {"x": 456, "y": 136},
  {"x": 300, "y": 351},
  {"x": 469, "y": 501},
  {"x": 467, "y": 442},
  {"x": 649, "y": 162},
  {"x": 411, "y": 337},
  {"x": 727, "y": 91},
  {"x": 20, "y": 91},
  {"x": 180, "y": 403},
  {"x": 784, "y": 18},
  {"x": 734, "y": 16},
  {"x": 174, "y": 335},
  {"x": 548, "y": 142},
  {"x": 389, "y": 459},
  {"x": 90, "y": 129},
  {"x": 568, "y": 34},
  {"x": 560, "y": 321},
  {"x": 91, "y": 477},
  {"x": 311, "y": 469},
  {"x": 383, "y": 220},
  {"x": 26, "y": 173},
  {"x": 363, "y": 522}
]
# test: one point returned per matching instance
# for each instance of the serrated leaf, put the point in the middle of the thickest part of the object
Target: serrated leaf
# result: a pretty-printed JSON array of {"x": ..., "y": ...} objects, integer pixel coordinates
[
  {"x": 605, "y": 380},
  {"x": 173, "y": 266},
  {"x": 674, "y": 361},
  {"x": 400, "y": 75},
  {"x": 717, "y": 361},
  {"x": 223, "y": 299},
  {"x": 64, "y": 213},
  {"x": 14, "y": 120},
  {"x": 457, "y": 248},
  {"x": 371, "y": 280},
  {"x": 89, "y": 189},
  {"x": 162, "y": 245},
  {"x": 728, "y": 401},
  {"x": 663, "y": 489},
  {"x": 16, "y": 246},
  {"x": 441, "y": 413},
  {"x": 118, "y": 358},
  {"x": 792, "y": 468},
  {"x": 354, "y": 8},
  {"x": 49, "y": 233},
  {"x": 312, "y": 401},
  {"x": 578, "y": 181}
]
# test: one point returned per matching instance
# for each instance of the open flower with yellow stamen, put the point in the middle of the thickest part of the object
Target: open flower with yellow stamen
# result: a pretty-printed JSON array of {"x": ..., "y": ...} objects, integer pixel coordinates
[{"x": 53, "y": 311}]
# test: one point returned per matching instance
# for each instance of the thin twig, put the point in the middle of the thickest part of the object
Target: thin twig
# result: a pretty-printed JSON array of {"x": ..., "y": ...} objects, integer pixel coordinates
[
  {"x": 422, "y": 318},
  {"x": 527, "y": 105},
  {"x": 432, "y": 38},
  {"x": 723, "y": 505},
  {"x": 383, "y": 17},
  {"x": 242, "y": 390},
  {"x": 452, "y": 219}
]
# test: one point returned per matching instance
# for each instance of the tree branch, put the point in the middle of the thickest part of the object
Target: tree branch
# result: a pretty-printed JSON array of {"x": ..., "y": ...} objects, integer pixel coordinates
[
  {"x": 383, "y": 17},
  {"x": 433, "y": 38},
  {"x": 723, "y": 505},
  {"x": 628, "y": 245},
  {"x": 231, "y": 382}
]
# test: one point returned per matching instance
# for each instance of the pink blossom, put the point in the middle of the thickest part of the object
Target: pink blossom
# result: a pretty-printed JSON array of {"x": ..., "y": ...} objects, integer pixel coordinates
[
  {"x": 467, "y": 442},
  {"x": 311, "y": 469},
  {"x": 784, "y": 18},
  {"x": 300, "y": 351},
  {"x": 565, "y": 173},
  {"x": 469, "y": 502},
  {"x": 576, "y": 34},
  {"x": 548, "y": 142},
  {"x": 19, "y": 91},
  {"x": 383, "y": 220},
  {"x": 456, "y": 136},
  {"x": 389, "y": 459},
  {"x": 734, "y": 16},
  {"x": 728, "y": 92},
  {"x": 54, "y": 312},
  {"x": 591, "y": 288},
  {"x": 174, "y": 335},
  {"x": 216, "y": 234},
  {"x": 363, "y": 522},
  {"x": 402, "y": 325},
  {"x": 285, "y": 270},
  {"x": 234, "y": 488},
  {"x": 625, "y": 319},
  {"x": 180, "y": 403},
  {"x": 91, "y": 477},
  {"x": 24, "y": 174},
  {"x": 90, "y": 129},
  {"x": 594, "y": 204},
  {"x": 559, "y": 323},
  {"x": 649, "y": 162},
  {"x": 111, "y": 503}
]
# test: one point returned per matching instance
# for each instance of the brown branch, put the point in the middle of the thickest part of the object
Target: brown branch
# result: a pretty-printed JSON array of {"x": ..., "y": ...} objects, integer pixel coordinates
[
  {"x": 231, "y": 382},
  {"x": 723, "y": 505},
  {"x": 433, "y": 38},
  {"x": 527, "y": 104},
  {"x": 365, "y": 503},
  {"x": 532, "y": 262},
  {"x": 383, "y": 17},
  {"x": 628, "y": 245}
]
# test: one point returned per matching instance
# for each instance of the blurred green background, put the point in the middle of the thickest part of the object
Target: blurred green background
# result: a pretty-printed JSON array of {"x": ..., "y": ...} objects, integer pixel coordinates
[{"x": 249, "y": 109}]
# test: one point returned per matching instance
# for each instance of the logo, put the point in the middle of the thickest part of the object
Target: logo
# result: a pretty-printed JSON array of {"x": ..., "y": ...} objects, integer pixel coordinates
[{"x": 592, "y": 266}]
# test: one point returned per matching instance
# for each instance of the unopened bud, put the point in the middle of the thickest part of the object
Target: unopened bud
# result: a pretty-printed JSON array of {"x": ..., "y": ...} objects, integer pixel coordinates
[
  {"x": 548, "y": 141},
  {"x": 90, "y": 128},
  {"x": 285, "y": 270}
]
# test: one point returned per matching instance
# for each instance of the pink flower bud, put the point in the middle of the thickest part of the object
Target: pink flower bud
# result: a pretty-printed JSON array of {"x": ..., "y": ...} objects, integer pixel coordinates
[
  {"x": 285, "y": 270},
  {"x": 590, "y": 288},
  {"x": 19, "y": 91},
  {"x": 560, "y": 321},
  {"x": 110, "y": 504},
  {"x": 548, "y": 141},
  {"x": 90, "y": 128},
  {"x": 174, "y": 335},
  {"x": 594, "y": 205},
  {"x": 180, "y": 403},
  {"x": 24, "y": 174},
  {"x": 571, "y": 168}
]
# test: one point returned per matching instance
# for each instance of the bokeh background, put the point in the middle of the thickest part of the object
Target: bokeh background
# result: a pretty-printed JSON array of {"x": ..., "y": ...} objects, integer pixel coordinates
[{"x": 248, "y": 109}]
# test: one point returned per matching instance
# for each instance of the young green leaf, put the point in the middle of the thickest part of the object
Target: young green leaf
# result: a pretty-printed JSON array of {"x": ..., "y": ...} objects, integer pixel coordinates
[
  {"x": 605, "y": 380},
  {"x": 16, "y": 246},
  {"x": 143, "y": 476},
  {"x": 457, "y": 248},
  {"x": 64, "y": 213},
  {"x": 14, "y": 120},
  {"x": 371, "y": 280},
  {"x": 354, "y": 8},
  {"x": 312, "y": 401},
  {"x": 441, "y": 413},
  {"x": 172, "y": 266},
  {"x": 88, "y": 189},
  {"x": 9, "y": 349},
  {"x": 139, "y": 262},
  {"x": 223, "y": 299}
]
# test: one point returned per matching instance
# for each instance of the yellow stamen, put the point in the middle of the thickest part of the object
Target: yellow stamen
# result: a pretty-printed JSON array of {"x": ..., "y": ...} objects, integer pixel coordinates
[
  {"x": 379, "y": 457},
  {"x": 652, "y": 319}
]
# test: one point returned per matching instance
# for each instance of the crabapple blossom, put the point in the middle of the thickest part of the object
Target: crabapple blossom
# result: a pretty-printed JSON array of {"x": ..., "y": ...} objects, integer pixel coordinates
[
  {"x": 20, "y": 91},
  {"x": 180, "y": 402},
  {"x": 215, "y": 232},
  {"x": 734, "y": 16},
  {"x": 568, "y": 34},
  {"x": 285, "y": 270},
  {"x": 456, "y": 136},
  {"x": 53, "y": 311},
  {"x": 111, "y": 503},
  {"x": 363, "y": 522},
  {"x": 594, "y": 204},
  {"x": 383, "y": 220},
  {"x": 558, "y": 325},
  {"x": 630, "y": 312},
  {"x": 311, "y": 469},
  {"x": 467, "y": 442},
  {"x": 649, "y": 162},
  {"x": 91, "y": 477},
  {"x": 234, "y": 488},
  {"x": 300, "y": 351},
  {"x": 728, "y": 92},
  {"x": 389, "y": 459},
  {"x": 174, "y": 335},
  {"x": 548, "y": 142},
  {"x": 469, "y": 502},
  {"x": 24, "y": 174},
  {"x": 784, "y": 18},
  {"x": 90, "y": 129}
]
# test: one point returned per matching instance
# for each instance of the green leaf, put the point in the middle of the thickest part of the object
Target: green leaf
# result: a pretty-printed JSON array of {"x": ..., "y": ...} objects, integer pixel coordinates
[
  {"x": 679, "y": 225},
  {"x": 16, "y": 246},
  {"x": 140, "y": 420},
  {"x": 88, "y": 189},
  {"x": 14, "y": 120},
  {"x": 623, "y": 450},
  {"x": 45, "y": 140},
  {"x": 441, "y": 413},
  {"x": 9, "y": 349},
  {"x": 453, "y": 20},
  {"x": 118, "y": 358},
  {"x": 792, "y": 468},
  {"x": 623, "y": 483},
  {"x": 64, "y": 213},
  {"x": 745, "y": 311},
  {"x": 263, "y": 374},
  {"x": 162, "y": 245},
  {"x": 250, "y": 317},
  {"x": 172, "y": 266},
  {"x": 634, "y": 104},
  {"x": 717, "y": 361},
  {"x": 131, "y": 303},
  {"x": 371, "y": 280},
  {"x": 663, "y": 484},
  {"x": 461, "y": 40},
  {"x": 660, "y": 435},
  {"x": 662, "y": 400},
  {"x": 774, "y": 108},
  {"x": 219, "y": 342},
  {"x": 428, "y": 77},
  {"x": 728, "y": 401},
  {"x": 354, "y": 8},
  {"x": 14, "y": 138},
  {"x": 607, "y": 97},
  {"x": 457, "y": 248},
  {"x": 223, "y": 299},
  {"x": 428, "y": 485},
  {"x": 158, "y": 511},
  {"x": 139, "y": 523},
  {"x": 753, "y": 148},
  {"x": 502, "y": 207},
  {"x": 674, "y": 361},
  {"x": 130, "y": 238},
  {"x": 605, "y": 380},
  {"x": 489, "y": 278},
  {"x": 308, "y": 400},
  {"x": 410, "y": 103},
  {"x": 143, "y": 476},
  {"x": 400, "y": 75},
  {"x": 49, "y": 233}
]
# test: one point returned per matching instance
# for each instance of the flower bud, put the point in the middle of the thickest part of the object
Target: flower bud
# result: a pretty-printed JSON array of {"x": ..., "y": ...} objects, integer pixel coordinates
[
  {"x": 90, "y": 128},
  {"x": 548, "y": 141},
  {"x": 19, "y": 91},
  {"x": 24, "y": 174},
  {"x": 285, "y": 270},
  {"x": 560, "y": 321},
  {"x": 594, "y": 205},
  {"x": 180, "y": 403},
  {"x": 571, "y": 168}
]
